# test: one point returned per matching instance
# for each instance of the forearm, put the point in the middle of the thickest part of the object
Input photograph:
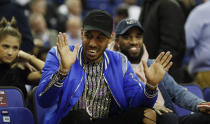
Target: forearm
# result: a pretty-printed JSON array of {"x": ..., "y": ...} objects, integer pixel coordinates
[
  {"x": 39, "y": 64},
  {"x": 180, "y": 95},
  {"x": 150, "y": 96},
  {"x": 48, "y": 93}
]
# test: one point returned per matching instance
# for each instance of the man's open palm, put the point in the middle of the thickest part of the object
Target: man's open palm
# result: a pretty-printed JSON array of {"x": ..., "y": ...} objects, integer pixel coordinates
[
  {"x": 67, "y": 57},
  {"x": 155, "y": 73}
]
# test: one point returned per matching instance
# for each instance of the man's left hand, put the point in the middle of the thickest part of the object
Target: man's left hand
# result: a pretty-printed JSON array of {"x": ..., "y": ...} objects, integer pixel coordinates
[
  {"x": 204, "y": 107},
  {"x": 155, "y": 73}
]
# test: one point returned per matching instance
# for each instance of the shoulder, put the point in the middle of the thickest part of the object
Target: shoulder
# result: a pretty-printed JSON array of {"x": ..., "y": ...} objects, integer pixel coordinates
[
  {"x": 150, "y": 62},
  {"x": 170, "y": 4},
  {"x": 115, "y": 55}
]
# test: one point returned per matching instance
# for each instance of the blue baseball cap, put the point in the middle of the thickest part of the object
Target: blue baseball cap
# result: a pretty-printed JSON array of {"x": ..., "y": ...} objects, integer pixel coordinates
[{"x": 124, "y": 25}]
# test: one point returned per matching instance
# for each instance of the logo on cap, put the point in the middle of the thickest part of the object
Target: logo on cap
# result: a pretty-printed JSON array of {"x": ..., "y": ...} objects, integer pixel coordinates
[{"x": 130, "y": 21}]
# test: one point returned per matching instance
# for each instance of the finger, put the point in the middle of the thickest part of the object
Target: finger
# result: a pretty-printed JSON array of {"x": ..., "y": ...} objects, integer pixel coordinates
[
  {"x": 76, "y": 49},
  {"x": 164, "y": 58},
  {"x": 145, "y": 66},
  {"x": 164, "y": 110},
  {"x": 167, "y": 61},
  {"x": 65, "y": 39},
  {"x": 159, "y": 57},
  {"x": 61, "y": 39},
  {"x": 59, "y": 48},
  {"x": 158, "y": 112},
  {"x": 168, "y": 66},
  {"x": 202, "y": 109},
  {"x": 169, "y": 110}
]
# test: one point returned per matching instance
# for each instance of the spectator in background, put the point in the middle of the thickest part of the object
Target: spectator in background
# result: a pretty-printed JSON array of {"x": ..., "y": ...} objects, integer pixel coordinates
[
  {"x": 163, "y": 23},
  {"x": 133, "y": 9},
  {"x": 121, "y": 13},
  {"x": 107, "y": 5},
  {"x": 73, "y": 30},
  {"x": 40, "y": 30},
  {"x": 47, "y": 9},
  {"x": 129, "y": 35},
  {"x": 70, "y": 8},
  {"x": 197, "y": 30},
  {"x": 12, "y": 72},
  {"x": 9, "y": 9}
]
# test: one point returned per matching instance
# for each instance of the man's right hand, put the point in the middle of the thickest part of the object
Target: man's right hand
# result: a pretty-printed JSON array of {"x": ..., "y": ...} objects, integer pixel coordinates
[
  {"x": 161, "y": 109},
  {"x": 67, "y": 57}
]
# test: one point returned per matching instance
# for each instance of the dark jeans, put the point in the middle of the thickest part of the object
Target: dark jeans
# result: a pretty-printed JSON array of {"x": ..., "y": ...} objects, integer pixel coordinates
[
  {"x": 196, "y": 118},
  {"x": 169, "y": 118},
  {"x": 133, "y": 116},
  {"x": 172, "y": 118}
]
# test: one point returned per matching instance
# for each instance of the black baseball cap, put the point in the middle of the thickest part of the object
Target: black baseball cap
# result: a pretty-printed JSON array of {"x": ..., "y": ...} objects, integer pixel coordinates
[
  {"x": 124, "y": 25},
  {"x": 99, "y": 20}
]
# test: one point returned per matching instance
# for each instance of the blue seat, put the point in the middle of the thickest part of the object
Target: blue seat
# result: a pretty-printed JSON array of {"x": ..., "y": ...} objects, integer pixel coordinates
[
  {"x": 38, "y": 111},
  {"x": 15, "y": 115},
  {"x": 14, "y": 96},
  {"x": 196, "y": 90},
  {"x": 206, "y": 94}
]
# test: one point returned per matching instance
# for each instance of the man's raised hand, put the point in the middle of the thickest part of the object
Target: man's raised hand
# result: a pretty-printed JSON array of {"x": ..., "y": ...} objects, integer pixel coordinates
[
  {"x": 67, "y": 57},
  {"x": 155, "y": 73}
]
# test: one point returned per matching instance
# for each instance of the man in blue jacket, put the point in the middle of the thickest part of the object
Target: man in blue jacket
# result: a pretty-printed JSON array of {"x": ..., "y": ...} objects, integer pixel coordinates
[
  {"x": 129, "y": 33},
  {"x": 93, "y": 79}
]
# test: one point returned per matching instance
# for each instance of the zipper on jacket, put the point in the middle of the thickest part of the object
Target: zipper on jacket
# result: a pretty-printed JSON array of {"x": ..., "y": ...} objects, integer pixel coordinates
[
  {"x": 77, "y": 88},
  {"x": 111, "y": 91}
]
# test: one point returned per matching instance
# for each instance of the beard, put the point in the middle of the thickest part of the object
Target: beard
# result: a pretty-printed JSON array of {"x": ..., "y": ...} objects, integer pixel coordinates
[{"x": 133, "y": 59}]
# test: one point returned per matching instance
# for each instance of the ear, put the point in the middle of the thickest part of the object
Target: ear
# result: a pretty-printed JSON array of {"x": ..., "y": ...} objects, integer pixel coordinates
[
  {"x": 111, "y": 38},
  {"x": 117, "y": 44},
  {"x": 82, "y": 32},
  {"x": 117, "y": 41}
]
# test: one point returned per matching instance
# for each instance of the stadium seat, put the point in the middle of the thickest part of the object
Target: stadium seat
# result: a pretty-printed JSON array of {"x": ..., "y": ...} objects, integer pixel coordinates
[
  {"x": 15, "y": 115},
  {"x": 38, "y": 111},
  {"x": 206, "y": 94},
  {"x": 11, "y": 96},
  {"x": 196, "y": 90}
]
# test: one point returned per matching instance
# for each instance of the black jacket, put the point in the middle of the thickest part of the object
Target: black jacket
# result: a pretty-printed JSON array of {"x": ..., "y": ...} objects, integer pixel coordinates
[
  {"x": 163, "y": 23},
  {"x": 9, "y": 9}
]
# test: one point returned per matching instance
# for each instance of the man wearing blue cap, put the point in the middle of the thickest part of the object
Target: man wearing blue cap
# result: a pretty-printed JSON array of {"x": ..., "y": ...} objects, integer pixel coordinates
[
  {"x": 129, "y": 34},
  {"x": 91, "y": 79}
]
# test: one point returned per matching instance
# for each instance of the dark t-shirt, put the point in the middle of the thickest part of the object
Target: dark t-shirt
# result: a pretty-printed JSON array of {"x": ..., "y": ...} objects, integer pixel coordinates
[{"x": 14, "y": 77}]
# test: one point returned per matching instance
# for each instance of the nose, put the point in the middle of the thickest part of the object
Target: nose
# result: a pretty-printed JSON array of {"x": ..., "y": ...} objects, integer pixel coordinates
[
  {"x": 133, "y": 41},
  {"x": 92, "y": 42},
  {"x": 9, "y": 52}
]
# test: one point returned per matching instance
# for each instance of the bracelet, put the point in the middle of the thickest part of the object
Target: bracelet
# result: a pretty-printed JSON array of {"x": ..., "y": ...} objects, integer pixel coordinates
[
  {"x": 63, "y": 71},
  {"x": 151, "y": 86}
]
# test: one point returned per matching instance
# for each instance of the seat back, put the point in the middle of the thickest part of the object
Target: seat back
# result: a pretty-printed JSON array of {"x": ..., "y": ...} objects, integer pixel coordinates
[
  {"x": 196, "y": 90},
  {"x": 12, "y": 95},
  {"x": 15, "y": 115},
  {"x": 38, "y": 111},
  {"x": 206, "y": 94}
]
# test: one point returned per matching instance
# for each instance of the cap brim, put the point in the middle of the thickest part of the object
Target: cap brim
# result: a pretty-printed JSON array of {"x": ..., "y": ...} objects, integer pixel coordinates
[
  {"x": 89, "y": 28},
  {"x": 129, "y": 27}
]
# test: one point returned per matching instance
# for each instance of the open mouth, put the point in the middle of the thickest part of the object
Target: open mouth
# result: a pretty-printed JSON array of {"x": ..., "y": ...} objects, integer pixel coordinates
[
  {"x": 134, "y": 49},
  {"x": 92, "y": 52}
]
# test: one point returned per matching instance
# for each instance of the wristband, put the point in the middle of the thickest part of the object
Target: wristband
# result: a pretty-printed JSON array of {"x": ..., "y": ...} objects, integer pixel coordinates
[
  {"x": 63, "y": 71},
  {"x": 151, "y": 86}
]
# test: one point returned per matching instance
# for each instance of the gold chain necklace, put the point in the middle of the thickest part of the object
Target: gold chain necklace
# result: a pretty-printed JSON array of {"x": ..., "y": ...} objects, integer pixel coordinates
[{"x": 94, "y": 95}]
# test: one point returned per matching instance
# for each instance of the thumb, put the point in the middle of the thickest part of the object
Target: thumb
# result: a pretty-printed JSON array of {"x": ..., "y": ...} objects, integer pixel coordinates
[
  {"x": 145, "y": 66},
  {"x": 76, "y": 49}
]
